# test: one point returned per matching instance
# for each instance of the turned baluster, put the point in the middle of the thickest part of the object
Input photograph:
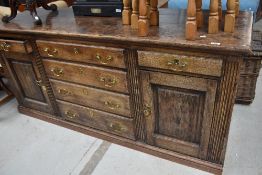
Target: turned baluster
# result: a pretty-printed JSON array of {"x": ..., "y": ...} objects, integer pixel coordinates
[
  {"x": 220, "y": 12},
  {"x": 126, "y": 14},
  {"x": 191, "y": 25},
  {"x": 135, "y": 14},
  {"x": 213, "y": 21},
  {"x": 143, "y": 22},
  {"x": 237, "y": 8},
  {"x": 230, "y": 17},
  {"x": 148, "y": 8},
  {"x": 199, "y": 13},
  {"x": 154, "y": 13}
]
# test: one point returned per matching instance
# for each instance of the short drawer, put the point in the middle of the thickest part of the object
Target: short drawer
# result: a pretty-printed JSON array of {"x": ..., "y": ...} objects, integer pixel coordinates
[
  {"x": 15, "y": 46},
  {"x": 89, "y": 54},
  {"x": 178, "y": 63},
  {"x": 114, "y": 80},
  {"x": 91, "y": 97},
  {"x": 97, "y": 119}
]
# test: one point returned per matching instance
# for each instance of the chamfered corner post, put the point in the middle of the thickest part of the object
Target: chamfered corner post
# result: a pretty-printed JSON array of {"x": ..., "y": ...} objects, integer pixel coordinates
[
  {"x": 213, "y": 20},
  {"x": 191, "y": 24},
  {"x": 199, "y": 13},
  {"x": 229, "y": 25},
  {"x": 148, "y": 8},
  {"x": 154, "y": 13},
  {"x": 126, "y": 14},
  {"x": 143, "y": 22},
  {"x": 135, "y": 14}
]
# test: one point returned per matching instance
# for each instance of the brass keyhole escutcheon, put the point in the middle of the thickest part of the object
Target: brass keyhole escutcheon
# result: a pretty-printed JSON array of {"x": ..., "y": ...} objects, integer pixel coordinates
[
  {"x": 71, "y": 115},
  {"x": 147, "y": 110},
  {"x": 108, "y": 81}
]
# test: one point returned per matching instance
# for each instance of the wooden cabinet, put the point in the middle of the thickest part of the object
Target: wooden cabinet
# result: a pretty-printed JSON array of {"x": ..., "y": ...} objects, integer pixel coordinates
[
  {"x": 159, "y": 94},
  {"x": 178, "y": 111}
]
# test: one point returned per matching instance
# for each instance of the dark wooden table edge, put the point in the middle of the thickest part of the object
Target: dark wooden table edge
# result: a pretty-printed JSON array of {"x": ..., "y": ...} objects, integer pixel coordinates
[
  {"x": 247, "y": 50},
  {"x": 139, "y": 146}
]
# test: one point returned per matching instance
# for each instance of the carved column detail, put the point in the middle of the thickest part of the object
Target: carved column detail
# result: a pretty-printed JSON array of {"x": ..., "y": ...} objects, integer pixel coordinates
[
  {"x": 39, "y": 64},
  {"x": 191, "y": 25},
  {"x": 135, "y": 93},
  {"x": 199, "y": 13},
  {"x": 213, "y": 21},
  {"x": 148, "y": 8},
  {"x": 230, "y": 17},
  {"x": 126, "y": 14},
  {"x": 135, "y": 14},
  {"x": 143, "y": 22},
  {"x": 226, "y": 94},
  {"x": 154, "y": 13}
]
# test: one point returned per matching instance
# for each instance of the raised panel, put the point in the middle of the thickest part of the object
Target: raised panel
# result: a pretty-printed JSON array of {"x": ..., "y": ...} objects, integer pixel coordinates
[
  {"x": 26, "y": 76},
  {"x": 180, "y": 113}
]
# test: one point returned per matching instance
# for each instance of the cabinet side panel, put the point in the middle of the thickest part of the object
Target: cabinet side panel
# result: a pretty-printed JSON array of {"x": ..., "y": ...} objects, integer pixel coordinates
[{"x": 223, "y": 110}]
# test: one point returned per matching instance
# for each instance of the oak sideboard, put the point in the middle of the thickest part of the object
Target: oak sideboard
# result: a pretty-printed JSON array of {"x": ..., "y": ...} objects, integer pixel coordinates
[{"x": 159, "y": 94}]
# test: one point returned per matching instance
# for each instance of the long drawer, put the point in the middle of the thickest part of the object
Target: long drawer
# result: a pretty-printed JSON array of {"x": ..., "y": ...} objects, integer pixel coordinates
[
  {"x": 180, "y": 63},
  {"x": 97, "y": 119},
  {"x": 91, "y": 97},
  {"x": 107, "y": 56},
  {"x": 87, "y": 75}
]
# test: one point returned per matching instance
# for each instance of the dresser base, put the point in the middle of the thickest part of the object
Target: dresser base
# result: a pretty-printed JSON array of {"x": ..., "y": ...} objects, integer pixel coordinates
[{"x": 165, "y": 154}]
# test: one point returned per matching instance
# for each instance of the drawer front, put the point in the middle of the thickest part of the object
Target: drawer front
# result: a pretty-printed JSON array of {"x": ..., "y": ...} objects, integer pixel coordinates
[
  {"x": 88, "y": 75},
  {"x": 95, "y": 98},
  {"x": 15, "y": 46},
  {"x": 178, "y": 63},
  {"x": 89, "y": 54},
  {"x": 97, "y": 119}
]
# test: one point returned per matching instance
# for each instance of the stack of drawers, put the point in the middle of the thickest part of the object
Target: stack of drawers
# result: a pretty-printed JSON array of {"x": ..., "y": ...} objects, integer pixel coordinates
[{"x": 90, "y": 85}]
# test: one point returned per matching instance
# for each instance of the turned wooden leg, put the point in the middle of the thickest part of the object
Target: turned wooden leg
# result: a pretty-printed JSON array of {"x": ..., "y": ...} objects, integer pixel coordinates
[
  {"x": 220, "y": 11},
  {"x": 199, "y": 13},
  {"x": 52, "y": 7},
  {"x": 135, "y": 14},
  {"x": 14, "y": 8},
  {"x": 237, "y": 8},
  {"x": 143, "y": 22},
  {"x": 230, "y": 17},
  {"x": 213, "y": 21},
  {"x": 148, "y": 8},
  {"x": 154, "y": 13},
  {"x": 126, "y": 14},
  {"x": 191, "y": 24}
]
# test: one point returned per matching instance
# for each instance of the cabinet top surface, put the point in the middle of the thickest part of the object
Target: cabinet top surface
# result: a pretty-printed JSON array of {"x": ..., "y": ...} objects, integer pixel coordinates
[{"x": 170, "y": 33}]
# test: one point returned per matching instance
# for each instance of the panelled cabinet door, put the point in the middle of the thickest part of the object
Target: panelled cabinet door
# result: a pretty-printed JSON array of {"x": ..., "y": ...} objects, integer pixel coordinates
[
  {"x": 29, "y": 91},
  {"x": 178, "y": 112}
]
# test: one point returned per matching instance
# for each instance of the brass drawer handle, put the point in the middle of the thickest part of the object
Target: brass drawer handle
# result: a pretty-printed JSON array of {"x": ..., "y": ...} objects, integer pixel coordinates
[
  {"x": 5, "y": 47},
  {"x": 117, "y": 127},
  {"x": 147, "y": 110},
  {"x": 64, "y": 92},
  {"x": 105, "y": 60},
  {"x": 85, "y": 92},
  {"x": 108, "y": 81},
  {"x": 177, "y": 64},
  {"x": 71, "y": 115},
  {"x": 58, "y": 72},
  {"x": 112, "y": 105},
  {"x": 51, "y": 53}
]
